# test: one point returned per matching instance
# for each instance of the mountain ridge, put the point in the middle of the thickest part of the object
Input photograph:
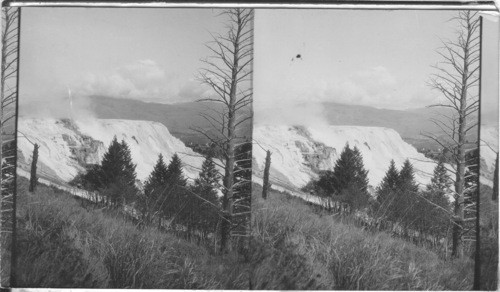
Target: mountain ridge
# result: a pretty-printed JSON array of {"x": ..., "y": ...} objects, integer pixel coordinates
[{"x": 180, "y": 118}]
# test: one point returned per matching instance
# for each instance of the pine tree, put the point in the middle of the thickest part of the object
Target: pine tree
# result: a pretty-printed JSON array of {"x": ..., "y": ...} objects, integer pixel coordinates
[
  {"x": 386, "y": 192},
  {"x": 344, "y": 171},
  {"x": 440, "y": 181},
  {"x": 206, "y": 205},
  {"x": 118, "y": 174},
  {"x": 355, "y": 188},
  {"x": 407, "y": 197},
  {"x": 175, "y": 175},
  {"x": 325, "y": 187},
  {"x": 432, "y": 209},
  {"x": 332, "y": 182},
  {"x": 209, "y": 176},
  {"x": 176, "y": 197},
  {"x": 154, "y": 189},
  {"x": 348, "y": 182},
  {"x": 128, "y": 167},
  {"x": 361, "y": 177},
  {"x": 111, "y": 165},
  {"x": 406, "y": 178},
  {"x": 91, "y": 179}
]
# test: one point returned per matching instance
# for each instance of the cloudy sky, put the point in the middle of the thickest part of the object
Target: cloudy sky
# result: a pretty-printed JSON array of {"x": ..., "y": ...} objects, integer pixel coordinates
[
  {"x": 147, "y": 54},
  {"x": 375, "y": 58}
]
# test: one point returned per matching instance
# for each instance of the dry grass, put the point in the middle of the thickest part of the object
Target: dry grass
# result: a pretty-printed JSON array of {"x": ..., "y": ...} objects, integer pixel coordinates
[
  {"x": 298, "y": 248},
  {"x": 60, "y": 243}
]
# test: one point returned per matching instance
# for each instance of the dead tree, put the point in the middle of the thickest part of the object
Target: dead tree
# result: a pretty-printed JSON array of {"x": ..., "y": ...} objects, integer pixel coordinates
[
  {"x": 8, "y": 100},
  {"x": 227, "y": 71},
  {"x": 265, "y": 184},
  {"x": 457, "y": 80},
  {"x": 33, "y": 177},
  {"x": 494, "y": 195}
]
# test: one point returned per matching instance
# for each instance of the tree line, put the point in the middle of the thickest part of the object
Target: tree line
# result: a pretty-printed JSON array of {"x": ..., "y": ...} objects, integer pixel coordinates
[
  {"x": 166, "y": 199},
  {"x": 398, "y": 204}
]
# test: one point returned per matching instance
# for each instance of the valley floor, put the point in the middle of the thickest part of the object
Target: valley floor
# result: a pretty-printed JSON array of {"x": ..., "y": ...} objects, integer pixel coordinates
[
  {"x": 64, "y": 241},
  {"x": 297, "y": 246}
]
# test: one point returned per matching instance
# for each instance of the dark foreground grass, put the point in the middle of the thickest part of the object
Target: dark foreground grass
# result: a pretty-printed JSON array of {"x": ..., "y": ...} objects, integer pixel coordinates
[
  {"x": 62, "y": 242},
  {"x": 296, "y": 248}
]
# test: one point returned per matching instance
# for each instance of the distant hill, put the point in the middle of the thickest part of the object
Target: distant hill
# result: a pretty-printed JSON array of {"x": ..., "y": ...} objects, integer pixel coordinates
[
  {"x": 179, "y": 118},
  {"x": 410, "y": 124}
]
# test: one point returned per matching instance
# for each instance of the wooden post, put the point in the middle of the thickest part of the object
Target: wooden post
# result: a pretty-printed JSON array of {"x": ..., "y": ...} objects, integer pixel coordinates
[
  {"x": 33, "y": 178},
  {"x": 265, "y": 185}
]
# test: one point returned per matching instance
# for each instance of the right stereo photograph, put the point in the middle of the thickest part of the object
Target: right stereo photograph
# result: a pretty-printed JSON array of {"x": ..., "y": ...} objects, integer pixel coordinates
[{"x": 375, "y": 156}]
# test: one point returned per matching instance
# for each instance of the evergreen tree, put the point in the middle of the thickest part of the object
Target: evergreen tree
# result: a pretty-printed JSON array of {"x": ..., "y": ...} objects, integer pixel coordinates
[
  {"x": 92, "y": 179},
  {"x": 361, "y": 177},
  {"x": 115, "y": 177},
  {"x": 406, "y": 178},
  {"x": 177, "y": 198},
  {"x": 175, "y": 176},
  {"x": 404, "y": 209},
  {"x": 209, "y": 176},
  {"x": 440, "y": 181},
  {"x": 432, "y": 217},
  {"x": 355, "y": 188},
  {"x": 154, "y": 189},
  {"x": 325, "y": 186},
  {"x": 128, "y": 167},
  {"x": 111, "y": 165},
  {"x": 386, "y": 191},
  {"x": 348, "y": 182},
  {"x": 344, "y": 171},
  {"x": 206, "y": 207}
]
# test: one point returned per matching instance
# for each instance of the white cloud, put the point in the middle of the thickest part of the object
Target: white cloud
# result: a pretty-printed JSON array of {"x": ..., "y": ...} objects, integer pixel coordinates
[
  {"x": 376, "y": 87},
  {"x": 373, "y": 87},
  {"x": 143, "y": 79}
]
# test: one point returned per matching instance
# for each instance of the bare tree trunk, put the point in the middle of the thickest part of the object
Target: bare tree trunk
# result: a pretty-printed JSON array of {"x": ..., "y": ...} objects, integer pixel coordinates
[
  {"x": 265, "y": 185},
  {"x": 477, "y": 258},
  {"x": 460, "y": 160},
  {"x": 494, "y": 196},
  {"x": 456, "y": 78},
  {"x": 33, "y": 176},
  {"x": 8, "y": 140},
  {"x": 226, "y": 70}
]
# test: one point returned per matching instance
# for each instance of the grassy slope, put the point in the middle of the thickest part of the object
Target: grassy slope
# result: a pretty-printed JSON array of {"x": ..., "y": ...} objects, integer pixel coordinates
[
  {"x": 297, "y": 247},
  {"x": 65, "y": 242},
  {"x": 489, "y": 239}
]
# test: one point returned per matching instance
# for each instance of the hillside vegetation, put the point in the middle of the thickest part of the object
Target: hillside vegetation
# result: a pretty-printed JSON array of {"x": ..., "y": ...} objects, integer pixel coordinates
[
  {"x": 64, "y": 241},
  {"x": 298, "y": 246}
]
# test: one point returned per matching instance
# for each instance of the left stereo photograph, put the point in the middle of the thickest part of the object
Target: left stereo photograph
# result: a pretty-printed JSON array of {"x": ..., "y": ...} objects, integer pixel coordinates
[{"x": 133, "y": 147}]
